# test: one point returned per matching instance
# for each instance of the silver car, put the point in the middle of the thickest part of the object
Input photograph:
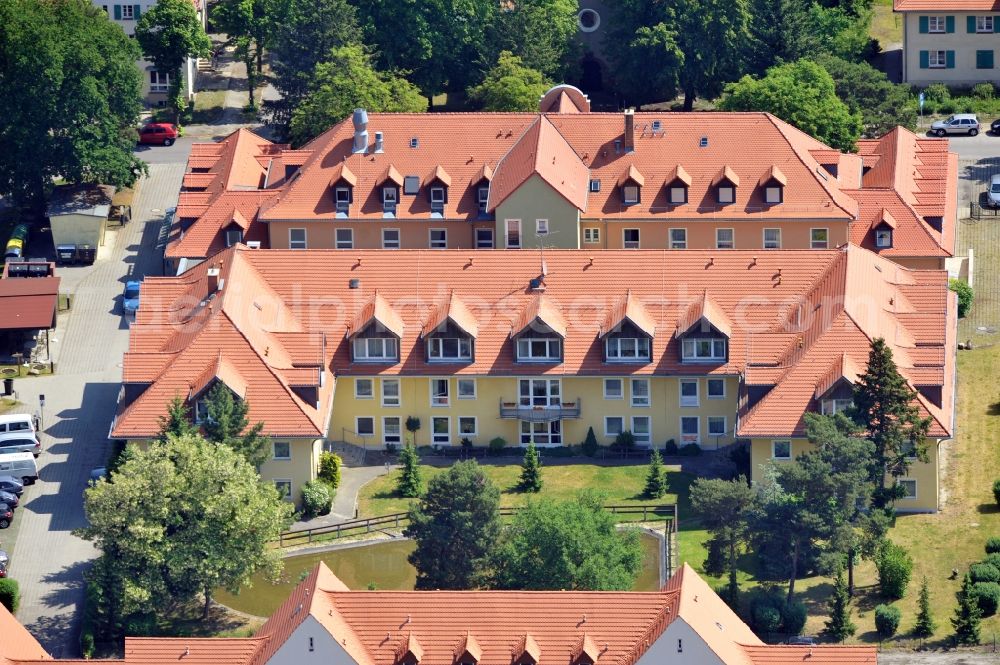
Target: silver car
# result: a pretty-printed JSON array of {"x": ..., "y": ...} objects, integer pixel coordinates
[
  {"x": 960, "y": 123},
  {"x": 993, "y": 194}
]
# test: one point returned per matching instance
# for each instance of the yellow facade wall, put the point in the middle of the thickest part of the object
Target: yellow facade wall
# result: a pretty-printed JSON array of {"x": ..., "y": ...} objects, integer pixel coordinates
[
  {"x": 664, "y": 409},
  {"x": 701, "y": 234},
  {"x": 368, "y": 234},
  {"x": 926, "y": 474}
]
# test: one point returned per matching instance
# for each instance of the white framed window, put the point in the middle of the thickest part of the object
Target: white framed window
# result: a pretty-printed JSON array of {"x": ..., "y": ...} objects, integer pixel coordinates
[
  {"x": 716, "y": 389},
  {"x": 883, "y": 238},
  {"x": 909, "y": 488},
  {"x": 984, "y": 23},
  {"x": 364, "y": 426},
  {"x": 591, "y": 235},
  {"x": 342, "y": 196},
  {"x": 641, "y": 430},
  {"x": 773, "y": 194},
  {"x": 297, "y": 239},
  {"x": 626, "y": 349},
  {"x": 468, "y": 426},
  {"x": 639, "y": 393},
  {"x": 466, "y": 388},
  {"x": 378, "y": 349},
  {"x": 630, "y": 194},
  {"x": 441, "y": 429},
  {"x": 727, "y": 193},
  {"x": 284, "y": 487},
  {"x": 772, "y": 238},
  {"x": 438, "y": 239},
  {"x": 437, "y": 197},
  {"x": 390, "y": 392},
  {"x": 544, "y": 349},
  {"x": 392, "y": 431},
  {"x": 541, "y": 434},
  {"x": 689, "y": 392},
  {"x": 513, "y": 233},
  {"x": 678, "y": 238},
  {"x": 539, "y": 392},
  {"x": 630, "y": 238},
  {"x": 541, "y": 227},
  {"x": 936, "y": 24},
  {"x": 716, "y": 425},
  {"x": 484, "y": 238},
  {"x": 613, "y": 389},
  {"x": 390, "y": 239},
  {"x": 449, "y": 348},
  {"x": 281, "y": 450},
  {"x": 345, "y": 238},
  {"x": 831, "y": 406},
  {"x": 613, "y": 426},
  {"x": 482, "y": 198},
  {"x": 363, "y": 389},
  {"x": 937, "y": 59},
  {"x": 233, "y": 236},
  {"x": 690, "y": 430},
  {"x": 439, "y": 392},
  {"x": 819, "y": 238},
  {"x": 158, "y": 81},
  {"x": 781, "y": 450},
  {"x": 390, "y": 197},
  {"x": 678, "y": 194},
  {"x": 703, "y": 349},
  {"x": 725, "y": 239},
  {"x": 128, "y": 12}
]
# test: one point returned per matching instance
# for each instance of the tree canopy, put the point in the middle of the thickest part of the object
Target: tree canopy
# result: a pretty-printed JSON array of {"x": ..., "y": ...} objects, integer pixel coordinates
[
  {"x": 226, "y": 423},
  {"x": 882, "y": 104},
  {"x": 567, "y": 545},
  {"x": 803, "y": 94},
  {"x": 181, "y": 518},
  {"x": 170, "y": 33},
  {"x": 543, "y": 33},
  {"x": 510, "y": 86},
  {"x": 344, "y": 81},
  {"x": 70, "y": 97}
]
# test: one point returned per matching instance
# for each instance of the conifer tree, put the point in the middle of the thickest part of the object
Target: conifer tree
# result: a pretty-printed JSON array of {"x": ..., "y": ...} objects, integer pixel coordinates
[
  {"x": 656, "y": 479},
  {"x": 410, "y": 484},
  {"x": 925, "y": 621},
  {"x": 178, "y": 421},
  {"x": 967, "y": 615},
  {"x": 531, "y": 471},
  {"x": 839, "y": 626}
]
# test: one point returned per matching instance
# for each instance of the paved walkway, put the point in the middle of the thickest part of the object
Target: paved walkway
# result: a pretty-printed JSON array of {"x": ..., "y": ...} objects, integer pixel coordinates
[{"x": 48, "y": 560}]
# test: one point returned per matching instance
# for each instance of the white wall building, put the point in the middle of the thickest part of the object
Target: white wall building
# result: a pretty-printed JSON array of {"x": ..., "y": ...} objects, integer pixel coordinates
[{"x": 950, "y": 41}]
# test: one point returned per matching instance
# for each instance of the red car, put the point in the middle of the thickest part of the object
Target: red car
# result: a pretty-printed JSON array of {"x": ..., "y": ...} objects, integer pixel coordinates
[{"x": 158, "y": 133}]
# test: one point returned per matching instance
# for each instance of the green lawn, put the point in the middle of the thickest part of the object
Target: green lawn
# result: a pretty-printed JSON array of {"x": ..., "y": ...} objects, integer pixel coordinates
[{"x": 887, "y": 27}]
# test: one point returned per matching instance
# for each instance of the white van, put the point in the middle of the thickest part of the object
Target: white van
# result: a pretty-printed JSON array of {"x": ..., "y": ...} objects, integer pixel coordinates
[
  {"x": 18, "y": 422},
  {"x": 19, "y": 465}
]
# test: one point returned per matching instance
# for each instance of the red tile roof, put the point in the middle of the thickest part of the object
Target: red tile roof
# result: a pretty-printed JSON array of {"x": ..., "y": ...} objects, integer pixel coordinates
[
  {"x": 17, "y": 644},
  {"x": 28, "y": 303},
  {"x": 777, "y": 654},
  {"x": 946, "y": 5}
]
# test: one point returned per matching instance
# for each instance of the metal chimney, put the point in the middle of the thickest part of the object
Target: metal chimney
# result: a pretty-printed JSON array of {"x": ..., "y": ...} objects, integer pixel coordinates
[
  {"x": 360, "y": 119},
  {"x": 629, "y": 130},
  {"x": 378, "y": 141}
]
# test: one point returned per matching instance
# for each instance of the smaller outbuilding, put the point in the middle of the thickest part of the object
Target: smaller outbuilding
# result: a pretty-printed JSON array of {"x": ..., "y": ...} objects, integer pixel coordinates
[{"x": 78, "y": 216}]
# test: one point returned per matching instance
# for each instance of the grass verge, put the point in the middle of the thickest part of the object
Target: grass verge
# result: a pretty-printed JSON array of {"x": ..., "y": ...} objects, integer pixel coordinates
[{"x": 887, "y": 26}]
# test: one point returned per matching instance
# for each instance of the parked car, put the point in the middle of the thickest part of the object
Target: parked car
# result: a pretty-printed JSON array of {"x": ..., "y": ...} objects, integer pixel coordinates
[
  {"x": 4, "y": 562},
  {"x": 11, "y": 484},
  {"x": 158, "y": 133},
  {"x": 802, "y": 640},
  {"x": 995, "y": 126},
  {"x": 993, "y": 194},
  {"x": 6, "y": 515},
  {"x": 130, "y": 299},
  {"x": 97, "y": 475},
  {"x": 960, "y": 123},
  {"x": 9, "y": 498},
  {"x": 20, "y": 442}
]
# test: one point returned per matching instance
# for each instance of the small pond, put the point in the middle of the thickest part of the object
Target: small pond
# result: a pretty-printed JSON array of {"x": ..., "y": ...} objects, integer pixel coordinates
[{"x": 383, "y": 563}]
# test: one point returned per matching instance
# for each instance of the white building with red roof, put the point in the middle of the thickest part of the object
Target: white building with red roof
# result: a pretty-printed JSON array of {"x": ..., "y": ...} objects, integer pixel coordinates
[{"x": 950, "y": 41}]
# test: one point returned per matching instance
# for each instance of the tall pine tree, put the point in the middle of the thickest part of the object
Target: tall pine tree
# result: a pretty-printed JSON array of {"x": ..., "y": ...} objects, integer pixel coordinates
[
  {"x": 885, "y": 409},
  {"x": 226, "y": 422},
  {"x": 410, "y": 483},
  {"x": 925, "y": 620},
  {"x": 967, "y": 615},
  {"x": 839, "y": 626},
  {"x": 178, "y": 421},
  {"x": 656, "y": 479},
  {"x": 531, "y": 471}
]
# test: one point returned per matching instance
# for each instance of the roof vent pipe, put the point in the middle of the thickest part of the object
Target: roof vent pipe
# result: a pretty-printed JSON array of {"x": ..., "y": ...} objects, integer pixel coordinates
[
  {"x": 378, "y": 141},
  {"x": 360, "y": 120}
]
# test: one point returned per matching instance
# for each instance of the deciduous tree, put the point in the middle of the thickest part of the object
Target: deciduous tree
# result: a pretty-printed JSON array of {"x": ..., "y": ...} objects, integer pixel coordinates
[
  {"x": 882, "y": 104},
  {"x": 456, "y": 527},
  {"x": 543, "y": 33},
  {"x": 70, "y": 97},
  {"x": 509, "y": 86},
  {"x": 226, "y": 423}
]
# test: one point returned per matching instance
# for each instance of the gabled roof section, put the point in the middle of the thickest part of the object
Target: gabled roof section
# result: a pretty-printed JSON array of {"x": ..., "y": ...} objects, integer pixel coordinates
[
  {"x": 527, "y": 650},
  {"x": 341, "y": 172},
  {"x": 564, "y": 98},
  {"x": 679, "y": 174},
  {"x": 630, "y": 309},
  {"x": 841, "y": 369},
  {"x": 409, "y": 650},
  {"x": 586, "y": 651},
  {"x": 773, "y": 174},
  {"x": 726, "y": 173},
  {"x": 887, "y": 219},
  {"x": 542, "y": 310},
  {"x": 238, "y": 219},
  {"x": 453, "y": 310},
  {"x": 544, "y": 152},
  {"x": 631, "y": 173},
  {"x": 17, "y": 643},
  {"x": 440, "y": 175},
  {"x": 704, "y": 309},
  {"x": 821, "y": 654},
  {"x": 468, "y": 650},
  {"x": 392, "y": 175},
  {"x": 221, "y": 370},
  {"x": 485, "y": 173},
  {"x": 378, "y": 310}
]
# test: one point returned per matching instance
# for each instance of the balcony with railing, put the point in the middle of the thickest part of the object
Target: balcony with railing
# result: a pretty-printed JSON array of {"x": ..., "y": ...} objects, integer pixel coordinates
[{"x": 539, "y": 413}]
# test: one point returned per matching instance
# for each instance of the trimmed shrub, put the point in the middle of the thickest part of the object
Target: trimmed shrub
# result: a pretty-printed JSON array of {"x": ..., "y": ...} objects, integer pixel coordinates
[
  {"x": 589, "y": 445},
  {"x": 793, "y": 618},
  {"x": 987, "y": 596},
  {"x": 766, "y": 619},
  {"x": 715, "y": 562},
  {"x": 624, "y": 441},
  {"x": 497, "y": 445},
  {"x": 329, "y": 469},
  {"x": 993, "y": 558},
  {"x": 984, "y": 572},
  {"x": 895, "y": 565},
  {"x": 993, "y": 542},
  {"x": 690, "y": 450},
  {"x": 10, "y": 594},
  {"x": 316, "y": 498},
  {"x": 965, "y": 295},
  {"x": 937, "y": 92},
  {"x": 670, "y": 448},
  {"x": 983, "y": 91},
  {"x": 887, "y": 620}
]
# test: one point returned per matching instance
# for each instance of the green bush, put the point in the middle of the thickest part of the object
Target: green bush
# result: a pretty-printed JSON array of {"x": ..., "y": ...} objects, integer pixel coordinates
[
  {"x": 793, "y": 618},
  {"x": 329, "y": 469},
  {"x": 937, "y": 92},
  {"x": 316, "y": 498},
  {"x": 993, "y": 542},
  {"x": 887, "y": 620},
  {"x": 964, "y": 291},
  {"x": 894, "y": 566},
  {"x": 987, "y": 596},
  {"x": 497, "y": 445},
  {"x": 983, "y": 91},
  {"x": 670, "y": 448},
  {"x": 993, "y": 558},
  {"x": 589, "y": 445},
  {"x": 10, "y": 594},
  {"x": 87, "y": 644},
  {"x": 766, "y": 619},
  {"x": 690, "y": 450},
  {"x": 624, "y": 441},
  {"x": 996, "y": 491},
  {"x": 984, "y": 572},
  {"x": 946, "y": 108}
]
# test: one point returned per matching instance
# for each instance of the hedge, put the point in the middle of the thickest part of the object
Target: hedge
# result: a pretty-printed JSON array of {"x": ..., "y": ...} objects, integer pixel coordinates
[{"x": 887, "y": 620}]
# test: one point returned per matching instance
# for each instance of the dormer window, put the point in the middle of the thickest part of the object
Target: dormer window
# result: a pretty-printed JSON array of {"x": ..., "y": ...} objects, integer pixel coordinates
[
  {"x": 630, "y": 194},
  {"x": 234, "y": 237},
  {"x": 437, "y": 199},
  {"x": 773, "y": 181},
  {"x": 631, "y": 183},
  {"x": 773, "y": 194},
  {"x": 703, "y": 332},
  {"x": 390, "y": 198},
  {"x": 831, "y": 406},
  {"x": 539, "y": 349},
  {"x": 883, "y": 238},
  {"x": 626, "y": 349},
  {"x": 342, "y": 197},
  {"x": 678, "y": 183},
  {"x": 375, "y": 349},
  {"x": 678, "y": 193},
  {"x": 482, "y": 198},
  {"x": 449, "y": 349},
  {"x": 375, "y": 332},
  {"x": 726, "y": 181},
  {"x": 699, "y": 349},
  {"x": 726, "y": 193}
]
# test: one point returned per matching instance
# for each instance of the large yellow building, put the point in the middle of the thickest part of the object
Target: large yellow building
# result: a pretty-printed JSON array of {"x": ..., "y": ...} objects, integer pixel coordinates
[{"x": 698, "y": 347}]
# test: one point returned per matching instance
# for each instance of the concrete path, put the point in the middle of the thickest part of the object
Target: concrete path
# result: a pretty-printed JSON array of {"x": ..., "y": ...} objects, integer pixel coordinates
[
  {"x": 47, "y": 559},
  {"x": 345, "y": 504}
]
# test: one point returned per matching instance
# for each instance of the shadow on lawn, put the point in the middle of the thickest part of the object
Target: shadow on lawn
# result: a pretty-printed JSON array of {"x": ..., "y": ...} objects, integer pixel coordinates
[{"x": 987, "y": 508}]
